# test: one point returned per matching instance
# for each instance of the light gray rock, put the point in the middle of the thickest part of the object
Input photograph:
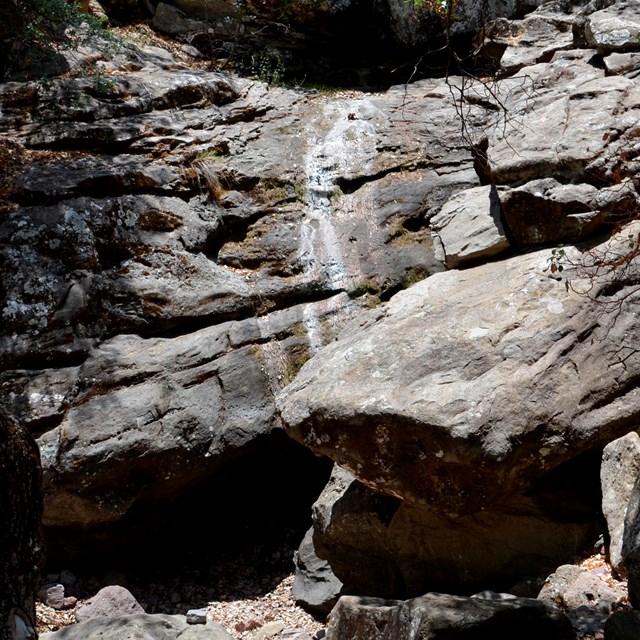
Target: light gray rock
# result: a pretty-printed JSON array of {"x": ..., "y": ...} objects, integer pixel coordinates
[
  {"x": 623, "y": 64},
  {"x": 631, "y": 545},
  {"x": 52, "y": 595},
  {"x": 469, "y": 227},
  {"x": 618, "y": 475},
  {"x": 415, "y": 400},
  {"x": 21, "y": 550},
  {"x": 139, "y": 627},
  {"x": 615, "y": 28},
  {"x": 436, "y": 615},
  {"x": 108, "y": 602},
  {"x": 196, "y": 616},
  {"x": 558, "y": 582}
]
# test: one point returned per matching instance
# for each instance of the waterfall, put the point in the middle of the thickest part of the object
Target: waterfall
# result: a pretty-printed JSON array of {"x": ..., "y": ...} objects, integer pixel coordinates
[{"x": 346, "y": 151}]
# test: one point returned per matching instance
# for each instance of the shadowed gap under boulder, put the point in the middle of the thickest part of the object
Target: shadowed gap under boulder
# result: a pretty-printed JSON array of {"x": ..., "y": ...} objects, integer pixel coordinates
[{"x": 261, "y": 500}]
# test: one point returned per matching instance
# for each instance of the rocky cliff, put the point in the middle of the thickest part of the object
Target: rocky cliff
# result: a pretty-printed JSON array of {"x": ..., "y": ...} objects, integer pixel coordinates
[{"x": 177, "y": 242}]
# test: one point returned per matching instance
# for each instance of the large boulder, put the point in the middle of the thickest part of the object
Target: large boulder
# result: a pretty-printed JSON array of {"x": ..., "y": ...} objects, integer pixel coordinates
[
  {"x": 416, "y": 400},
  {"x": 435, "y": 616},
  {"x": 139, "y": 626},
  {"x": 618, "y": 474}
]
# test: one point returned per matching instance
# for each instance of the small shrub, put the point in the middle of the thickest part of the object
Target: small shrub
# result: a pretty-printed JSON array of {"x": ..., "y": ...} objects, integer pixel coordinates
[
  {"x": 268, "y": 66},
  {"x": 36, "y": 31}
]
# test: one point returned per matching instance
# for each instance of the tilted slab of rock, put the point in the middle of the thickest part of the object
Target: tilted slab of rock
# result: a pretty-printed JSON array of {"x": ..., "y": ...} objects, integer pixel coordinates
[
  {"x": 469, "y": 386},
  {"x": 140, "y": 626},
  {"x": 436, "y": 615},
  {"x": 469, "y": 226},
  {"x": 563, "y": 119}
]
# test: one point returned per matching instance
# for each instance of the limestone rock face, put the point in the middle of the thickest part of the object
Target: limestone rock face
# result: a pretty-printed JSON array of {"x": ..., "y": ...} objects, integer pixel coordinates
[
  {"x": 140, "y": 626},
  {"x": 156, "y": 296},
  {"x": 176, "y": 244}
]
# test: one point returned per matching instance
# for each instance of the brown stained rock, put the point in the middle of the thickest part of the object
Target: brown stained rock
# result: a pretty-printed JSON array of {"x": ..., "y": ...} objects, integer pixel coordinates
[
  {"x": 112, "y": 601},
  {"x": 419, "y": 400}
]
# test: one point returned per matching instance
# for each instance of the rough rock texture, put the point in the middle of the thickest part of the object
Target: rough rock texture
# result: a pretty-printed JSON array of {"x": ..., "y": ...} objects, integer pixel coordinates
[
  {"x": 315, "y": 586},
  {"x": 109, "y": 602},
  {"x": 435, "y": 616},
  {"x": 282, "y": 34},
  {"x": 432, "y": 416},
  {"x": 571, "y": 587},
  {"x": 631, "y": 545},
  {"x": 615, "y": 28},
  {"x": 139, "y": 626},
  {"x": 21, "y": 551},
  {"x": 469, "y": 227},
  {"x": 204, "y": 261},
  {"x": 417, "y": 399},
  {"x": 618, "y": 474},
  {"x": 420, "y": 407},
  {"x": 546, "y": 211}
]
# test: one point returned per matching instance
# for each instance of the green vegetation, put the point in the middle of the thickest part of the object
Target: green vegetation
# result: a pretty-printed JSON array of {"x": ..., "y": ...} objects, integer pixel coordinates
[
  {"x": 34, "y": 32},
  {"x": 269, "y": 66},
  {"x": 444, "y": 8}
]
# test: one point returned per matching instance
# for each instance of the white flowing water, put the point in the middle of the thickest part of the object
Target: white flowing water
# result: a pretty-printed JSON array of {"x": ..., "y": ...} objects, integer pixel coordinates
[{"x": 347, "y": 150}]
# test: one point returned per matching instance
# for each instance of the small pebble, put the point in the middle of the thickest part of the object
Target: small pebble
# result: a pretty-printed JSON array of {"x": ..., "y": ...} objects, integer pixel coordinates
[{"x": 197, "y": 616}]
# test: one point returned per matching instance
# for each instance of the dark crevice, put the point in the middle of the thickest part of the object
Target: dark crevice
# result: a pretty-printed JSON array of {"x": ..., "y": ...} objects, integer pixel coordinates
[
  {"x": 247, "y": 115},
  {"x": 98, "y": 190},
  {"x": 254, "y": 307},
  {"x": 253, "y": 512},
  {"x": 351, "y": 185},
  {"x": 234, "y": 229},
  {"x": 415, "y": 224},
  {"x": 39, "y": 357},
  {"x": 40, "y": 426}
]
